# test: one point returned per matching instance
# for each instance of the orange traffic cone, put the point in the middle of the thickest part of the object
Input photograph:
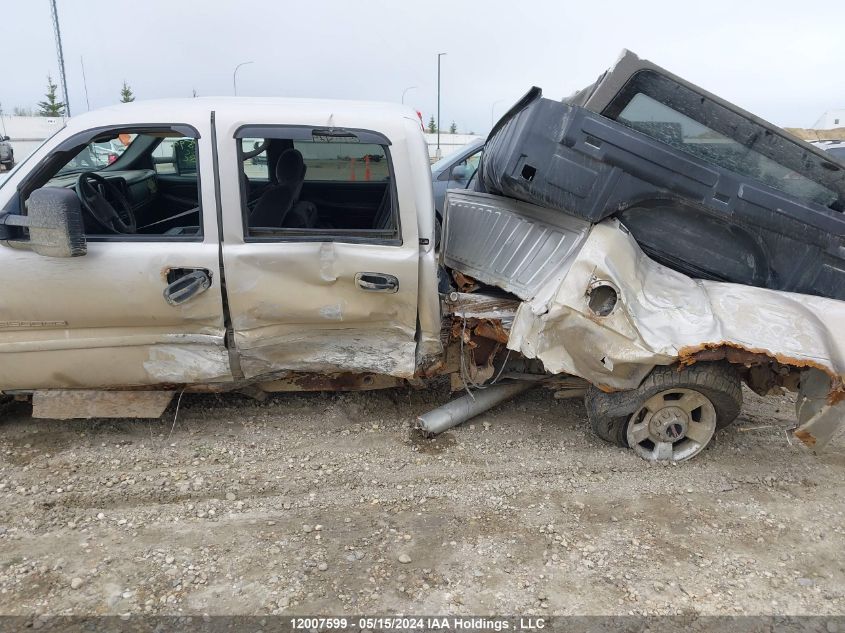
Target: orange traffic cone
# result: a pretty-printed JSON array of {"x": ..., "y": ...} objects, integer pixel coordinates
[{"x": 367, "y": 173}]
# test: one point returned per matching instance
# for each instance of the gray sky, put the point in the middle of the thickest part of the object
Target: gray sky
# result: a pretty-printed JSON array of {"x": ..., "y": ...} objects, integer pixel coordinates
[{"x": 773, "y": 57}]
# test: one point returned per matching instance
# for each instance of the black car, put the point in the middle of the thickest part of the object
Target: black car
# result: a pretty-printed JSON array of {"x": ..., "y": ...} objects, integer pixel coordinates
[{"x": 7, "y": 154}]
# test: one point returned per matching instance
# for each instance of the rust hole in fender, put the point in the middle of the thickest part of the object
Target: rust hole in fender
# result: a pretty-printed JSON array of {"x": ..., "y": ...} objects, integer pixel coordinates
[{"x": 737, "y": 354}]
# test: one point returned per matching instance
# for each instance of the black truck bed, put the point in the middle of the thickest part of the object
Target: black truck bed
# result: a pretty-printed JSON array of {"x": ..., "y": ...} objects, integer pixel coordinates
[{"x": 700, "y": 198}]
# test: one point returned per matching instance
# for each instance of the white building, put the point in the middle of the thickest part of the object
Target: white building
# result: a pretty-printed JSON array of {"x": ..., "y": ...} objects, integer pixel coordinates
[
  {"x": 26, "y": 133},
  {"x": 830, "y": 120},
  {"x": 449, "y": 143}
]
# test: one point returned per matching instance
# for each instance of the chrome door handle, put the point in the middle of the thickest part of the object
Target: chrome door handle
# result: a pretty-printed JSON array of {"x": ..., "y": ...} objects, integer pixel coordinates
[
  {"x": 377, "y": 282},
  {"x": 187, "y": 284}
]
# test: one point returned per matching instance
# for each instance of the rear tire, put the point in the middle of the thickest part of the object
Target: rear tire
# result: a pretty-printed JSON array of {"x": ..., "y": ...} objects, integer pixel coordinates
[{"x": 611, "y": 414}]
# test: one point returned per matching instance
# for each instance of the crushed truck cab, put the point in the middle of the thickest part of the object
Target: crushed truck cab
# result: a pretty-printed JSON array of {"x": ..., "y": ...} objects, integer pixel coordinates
[{"x": 266, "y": 245}]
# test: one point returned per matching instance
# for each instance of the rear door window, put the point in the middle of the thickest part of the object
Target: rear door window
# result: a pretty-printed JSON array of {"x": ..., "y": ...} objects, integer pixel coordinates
[
  {"x": 669, "y": 112},
  {"x": 661, "y": 122},
  {"x": 304, "y": 184},
  {"x": 343, "y": 162}
]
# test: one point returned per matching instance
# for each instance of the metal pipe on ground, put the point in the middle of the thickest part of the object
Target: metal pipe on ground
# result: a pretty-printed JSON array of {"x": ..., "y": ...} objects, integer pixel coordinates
[{"x": 462, "y": 409}]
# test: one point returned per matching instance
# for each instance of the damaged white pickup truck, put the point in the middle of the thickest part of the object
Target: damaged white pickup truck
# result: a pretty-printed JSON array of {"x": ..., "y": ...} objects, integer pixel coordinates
[{"x": 642, "y": 247}]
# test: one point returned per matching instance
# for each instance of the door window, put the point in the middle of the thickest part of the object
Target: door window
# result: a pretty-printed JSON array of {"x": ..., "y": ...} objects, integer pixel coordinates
[
  {"x": 176, "y": 156},
  {"x": 254, "y": 157},
  {"x": 318, "y": 188},
  {"x": 133, "y": 184}
]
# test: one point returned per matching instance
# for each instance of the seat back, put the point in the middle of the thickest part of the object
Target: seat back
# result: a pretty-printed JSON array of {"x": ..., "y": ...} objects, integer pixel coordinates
[
  {"x": 277, "y": 201},
  {"x": 290, "y": 171},
  {"x": 385, "y": 211}
]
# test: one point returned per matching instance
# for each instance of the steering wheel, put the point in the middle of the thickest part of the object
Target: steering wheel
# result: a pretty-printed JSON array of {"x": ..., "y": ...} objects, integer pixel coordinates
[{"x": 104, "y": 213}]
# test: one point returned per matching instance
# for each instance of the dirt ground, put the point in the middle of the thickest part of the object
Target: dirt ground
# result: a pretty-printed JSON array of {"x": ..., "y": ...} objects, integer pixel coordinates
[{"x": 331, "y": 503}]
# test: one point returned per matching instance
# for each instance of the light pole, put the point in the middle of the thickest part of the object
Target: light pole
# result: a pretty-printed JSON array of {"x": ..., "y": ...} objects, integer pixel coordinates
[
  {"x": 492, "y": 108},
  {"x": 55, "y": 15},
  {"x": 235, "y": 76},
  {"x": 406, "y": 90},
  {"x": 437, "y": 153}
]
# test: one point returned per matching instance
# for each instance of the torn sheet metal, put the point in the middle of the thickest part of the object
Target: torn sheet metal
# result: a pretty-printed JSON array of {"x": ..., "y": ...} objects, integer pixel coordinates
[
  {"x": 68, "y": 404},
  {"x": 480, "y": 305},
  {"x": 663, "y": 316},
  {"x": 617, "y": 314}
]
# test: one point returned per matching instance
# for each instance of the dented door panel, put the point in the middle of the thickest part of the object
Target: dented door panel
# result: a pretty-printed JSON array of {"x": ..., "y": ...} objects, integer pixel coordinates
[
  {"x": 102, "y": 320},
  {"x": 295, "y": 305}
]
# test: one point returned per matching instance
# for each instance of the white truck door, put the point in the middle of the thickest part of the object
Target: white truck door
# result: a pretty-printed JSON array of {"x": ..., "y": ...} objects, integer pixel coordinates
[
  {"x": 114, "y": 317},
  {"x": 321, "y": 244}
]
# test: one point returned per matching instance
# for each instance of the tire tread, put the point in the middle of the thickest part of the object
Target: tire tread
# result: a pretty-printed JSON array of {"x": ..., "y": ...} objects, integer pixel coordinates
[{"x": 720, "y": 382}]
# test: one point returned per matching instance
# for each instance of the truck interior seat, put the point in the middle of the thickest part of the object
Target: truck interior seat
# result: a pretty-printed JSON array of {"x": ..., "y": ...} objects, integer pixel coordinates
[
  {"x": 383, "y": 219},
  {"x": 279, "y": 205}
]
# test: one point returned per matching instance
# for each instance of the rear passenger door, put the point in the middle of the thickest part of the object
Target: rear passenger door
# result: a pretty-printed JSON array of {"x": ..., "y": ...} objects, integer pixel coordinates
[{"x": 338, "y": 295}]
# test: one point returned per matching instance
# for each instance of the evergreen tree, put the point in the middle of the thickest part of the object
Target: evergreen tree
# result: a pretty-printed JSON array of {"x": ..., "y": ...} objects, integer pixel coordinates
[
  {"x": 453, "y": 129},
  {"x": 52, "y": 106},
  {"x": 432, "y": 126},
  {"x": 126, "y": 95}
]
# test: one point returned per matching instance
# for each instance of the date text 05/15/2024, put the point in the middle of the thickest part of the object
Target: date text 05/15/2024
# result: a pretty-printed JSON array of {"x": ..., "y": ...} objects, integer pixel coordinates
[{"x": 405, "y": 623}]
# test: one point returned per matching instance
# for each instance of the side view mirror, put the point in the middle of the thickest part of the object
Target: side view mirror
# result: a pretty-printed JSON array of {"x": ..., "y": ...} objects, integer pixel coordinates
[
  {"x": 54, "y": 220},
  {"x": 459, "y": 172}
]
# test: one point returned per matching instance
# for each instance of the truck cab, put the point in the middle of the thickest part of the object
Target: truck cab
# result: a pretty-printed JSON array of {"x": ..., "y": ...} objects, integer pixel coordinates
[{"x": 230, "y": 240}]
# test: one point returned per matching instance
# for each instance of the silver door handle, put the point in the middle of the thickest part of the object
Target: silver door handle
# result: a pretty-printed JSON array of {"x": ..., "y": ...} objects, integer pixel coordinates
[
  {"x": 188, "y": 284},
  {"x": 377, "y": 282}
]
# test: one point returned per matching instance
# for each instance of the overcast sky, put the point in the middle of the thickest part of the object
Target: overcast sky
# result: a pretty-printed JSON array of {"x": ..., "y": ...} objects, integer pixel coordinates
[{"x": 781, "y": 59}]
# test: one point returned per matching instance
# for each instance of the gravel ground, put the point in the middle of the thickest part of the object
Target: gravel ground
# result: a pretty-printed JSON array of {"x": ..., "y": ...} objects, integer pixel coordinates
[{"x": 331, "y": 503}]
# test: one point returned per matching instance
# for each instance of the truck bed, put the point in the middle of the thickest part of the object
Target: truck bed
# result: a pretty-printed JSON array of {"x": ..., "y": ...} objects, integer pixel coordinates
[{"x": 780, "y": 230}]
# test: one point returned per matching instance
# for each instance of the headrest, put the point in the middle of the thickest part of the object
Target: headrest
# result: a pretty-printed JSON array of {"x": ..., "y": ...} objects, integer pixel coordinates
[{"x": 290, "y": 168}]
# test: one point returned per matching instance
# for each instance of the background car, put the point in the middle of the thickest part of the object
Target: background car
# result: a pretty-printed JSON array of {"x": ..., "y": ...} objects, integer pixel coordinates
[
  {"x": 454, "y": 171},
  {"x": 834, "y": 148},
  {"x": 7, "y": 154}
]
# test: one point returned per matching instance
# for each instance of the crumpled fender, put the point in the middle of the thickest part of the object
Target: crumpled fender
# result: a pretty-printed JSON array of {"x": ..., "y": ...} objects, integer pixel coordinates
[{"x": 617, "y": 313}]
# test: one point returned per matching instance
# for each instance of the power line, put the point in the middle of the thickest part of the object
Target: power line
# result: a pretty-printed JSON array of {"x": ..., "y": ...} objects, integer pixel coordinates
[{"x": 84, "y": 83}]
